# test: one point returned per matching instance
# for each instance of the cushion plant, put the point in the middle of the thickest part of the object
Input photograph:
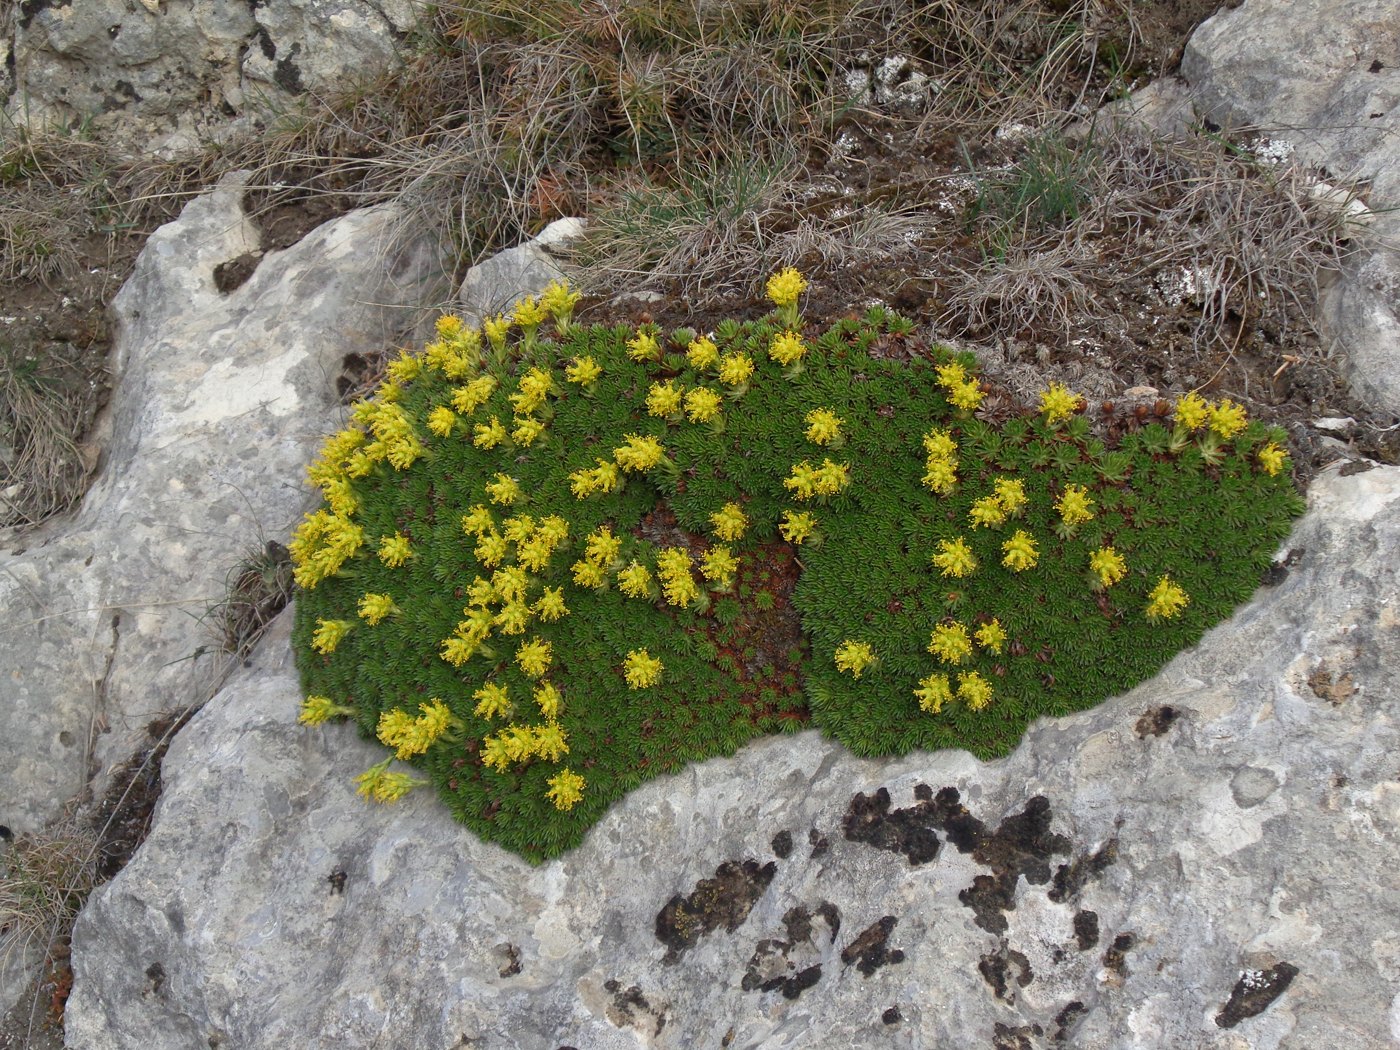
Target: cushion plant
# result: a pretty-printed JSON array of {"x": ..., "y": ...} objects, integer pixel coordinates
[{"x": 551, "y": 566}]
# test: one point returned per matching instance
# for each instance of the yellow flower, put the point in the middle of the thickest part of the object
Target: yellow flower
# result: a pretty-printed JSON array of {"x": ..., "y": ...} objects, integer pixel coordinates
[
  {"x": 950, "y": 375},
  {"x": 639, "y": 453},
  {"x": 1011, "y": 494},
  {"x": 831, "y": 478},
  {"x": 441, "y": 420},
  {"x": 503, "y": 489},
  {"x": 641, "y": 669},
  {"x": 1021, "y": 553},
  {"x": 853, "y": 657},
  {"x": 1075, "y": 505},
  {"x": 950, "y": 643},
  {"x": 702, "y": 353},
  {"x": 532, "y": 391},
  {"x": 702, "y": 404},
  {"x": 584, "y": 371},
  {"x": 565, "y": 789},
  {"x": 939, "y": 444},
  {"x": 787, "y": 349},
  {"x": 941, "y": 475},
  {"x": 955, "y": 558},
  {"x": 374, "y": 607},
  {"x": 1227, "y": 418},
  {"x": 493, "y": 701},
  {"x": 316, "y": 710},
  {"x": 823, "y": 426},
  {"x": 642, "y": 347},
  {"x": 719, "y": 566},
  {"x": 329, "y": 634},
  {"x": 635, "y": 581},
  {"x": 402, "y": 451},
  {"x": 735, "y": 369},
  {"x": 1166, "y": 600},
  {"x": 974, "y": 690},
  {"x": 480, "y": 592},
  {"x": 488, "y": 435},
  {"x": 603, "y": 547},
  {"x": 1191, "y": 411},
  {"x": 933, "y": 692},
  {"x": 1108, "y": 565},
  {"x": 379, "y": 785},
  {"x": 448, "y": 326},
  {"x": 550, "y": 607},
  {"x": 478, "y": 520},
  {"x": 560, "y": 302},
  {"x": 513, "y": 618},
  {"x": 796, "y": 526},
  {"x": 550, "y": 741},
  {"x": 991, "y": 636},
  {"x": 496, "y": 329},
  {"x": 987, "y": 512},
  {"x": 664, "y": 399},
  {"x": 534, "y": 657},
  {"x": 548, "y": 699},
  {"x": 966, "y": 396},
  {"x": 785, "y": 286},
  {"x": 491, "y": 549},
  {"x": 590, "y": 574},
  {"x": 729, "y": 522},
  {"x": 678, "y": 587},
  {"x": 1058, "y": 403},
  {"x": 527, "y": 429},
  {"x": 605, "y": 477},
  {"x": 341, "y": 498},
  {"x": 528, "y": 313},
  {"x": 467, "y": 399},
  {"x": 404, "y": 368},
  {"x": 394, "y": 550},
  {"x": 1272, "y": 458}
]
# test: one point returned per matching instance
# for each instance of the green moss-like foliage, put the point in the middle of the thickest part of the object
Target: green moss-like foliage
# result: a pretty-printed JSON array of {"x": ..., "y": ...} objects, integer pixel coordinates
[{"x": 761, "y": 655}]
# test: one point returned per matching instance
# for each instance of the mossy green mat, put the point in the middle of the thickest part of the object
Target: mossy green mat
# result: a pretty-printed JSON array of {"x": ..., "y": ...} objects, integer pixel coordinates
[{"x": 540, "y": 608}]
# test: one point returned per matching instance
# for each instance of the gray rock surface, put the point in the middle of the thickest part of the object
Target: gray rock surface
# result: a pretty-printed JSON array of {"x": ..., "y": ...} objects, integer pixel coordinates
[
  {"x": 221, "y": 400},
  {"x": 165, "y": 74},
  {"x": 496, "y": 284},
  {"x": 1206, "y": 862},
  {"x": 1325, "y": 75}
]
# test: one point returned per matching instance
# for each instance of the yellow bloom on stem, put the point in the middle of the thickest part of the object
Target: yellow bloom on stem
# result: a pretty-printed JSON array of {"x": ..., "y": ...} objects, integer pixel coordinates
[
  {"x": 1191, "y": 411},
  {"x": 730, "y": 522},
  {"x": 939, "y": 444},
  {"x": 550, "y": 741},
  {"x": 584, "y": 371},
  {"x": 702, "y": 404},
  {"x": 678, "y": 586},
  {"x": 392, "y": 728},
  {"x": 823, "y": 426},
  {"x": 643, "y": 347},
  {"x": 719, "y": 566},
  {"x": 854, "y": 657},
  {"x": 491, "y": 549},
  {"x": 1011, "y": 494},
  {"x": 987, "y": 513},
  {"x": 496, "y": 329},
  {"x": 991, "y": 636},
  {"x": 641, "y": 669},
  {"x": 448, "y": 326},
  {"x": 478, "y": 520},
  {"x": 528, "y": 313},
  {"x": 603, "y": 547},
  {"x": 441, "y": 420},
  {"x": 504, "y": 489},
  {"x": 1059, "y": 403},
  {"x": 513, "y": 618},
  {"x": 1075, "y": 506},
  {"x": 664, "y": 399},
  {"x": 590, "y": 574},
  {"x": 1021, "y": 552},
  {"x": 493, "y": 701},
  {"x": 548, "y": 700},
  {"x": 735, "y": 369},
  {"x": 1272, "y": 458},
  {"x": 1227, "y": 418},
  {"x": 796, "y": 526},
  {"x": 933, "y": 692},
  {"x": 527, "y": 429},
  {"x": 832, "y": 477},
  {"x": 966, "y": 396},
  {"x": 639, "y": 453},
  {"x": 1165, "y": 600},
  {"x": 787, "y": 349},
  {"x": 488, "y": 435},
  {"x": 534, "y": 657},
  {"x": 404, "y": 368},
  {"x": 402, "y": 451},
  {"x": 635, "y": 581},
  {"x": 480, "y": 592},
  {"x": 605, "y": 477},
  {"x": 550, "y": 607},
  {"x": 785, "y": 286},
  {"x": 394, "y": 550},
  {"x": 941, "y": 475},
  {"x": 374, "y": 607},
  {"x": 702, "y": 353},
  {"x": 950, "y": 375},
  {"x": 974, "y": 690},
  {"x": 560, "y": 301},
  {"x": 950, "y": 643},
  {"x": 532, "y": 391},
  {"x": 565, "y": 789},
  {"x": 954, "y": 558},
  {"x": 467, "y": 399},
  {"x": 316, "y": 710},
  {"x": 379, "y": 785},
  {"x": 1108, "y": 565}
]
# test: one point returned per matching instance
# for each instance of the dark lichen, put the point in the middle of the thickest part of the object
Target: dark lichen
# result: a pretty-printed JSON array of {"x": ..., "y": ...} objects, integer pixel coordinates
[{"x": 724, "y": 900}]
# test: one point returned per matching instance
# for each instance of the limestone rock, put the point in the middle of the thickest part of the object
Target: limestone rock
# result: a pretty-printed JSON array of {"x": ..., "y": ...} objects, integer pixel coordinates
[
  {"x": 1206, "y": 861},
  {"x": 498, "y": 283},
  {"x": 1326, "y": 74},
  {"x": 221, "y": 401},
  {"x": 162, "y": 77}
]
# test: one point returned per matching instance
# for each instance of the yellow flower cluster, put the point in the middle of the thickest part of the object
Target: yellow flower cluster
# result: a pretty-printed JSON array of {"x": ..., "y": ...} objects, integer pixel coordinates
[
  {"x": 664, "y": 399},
  {"x": 504, "y": 490},
  {"x": 1273, "y": 459},
  {"x": 1075, "y": 506},
  {"x": 492, "y": 701},
  {"x": 395, "y": 550},
  {"x": 517, "y": 744},
  {"x": 559, "y": 301},
  {"x": 935, "y": 690},
  {"x": 941, "y": 467},
  {"x": 532, "y": 392},
  {"x": 787, "y": 348},
  {"x": 785, "y": 286},
  {"x": 735, "y": 369},
  {"x": 808, "y": 482},
  {"x": 411, "y": 736},
  {"x": 1108, "y": 566},
  {"x": 991, "y": 636},
  {"x": 641, "y": 669},
  {"x": 565, "y": 789},
  {"x": 702, "y": 353},
  {"x": 954, "y": 558},
  {"x": 534, "y": 657},
  {"x": 600, "y": 556},
  {"x": 853, "y": 657},
  {"x": 823, "y": 426},
  {"x": 678, "y": 586},
  {"x": 316, "y": 710},
  {"x": 719, "y": 566},
  {"x": 1165, "y": 600},
  {"x": 1020, "y": 551},
  {"x": 643, "y": 347},
  {"x": 605, "y": 477},
  {"x": 394, "y": 439},
  {"x": 375, "y": 607},
  {"x": 1225, "y": 418},
  {"x": 320, "y": 545},
  {"x": 489, "y": 434},
  {"x": 1008, "y": 500},
  {"x": 1059, "y": 403},
  {"x": 379, "y": 785},
  {"x": 584, "y": 371},
  {"x": 963, "y": 392},
  {"x": 639, "y": 453},
  {"x": 795, "y": 526},
  {"x": 730, "y": 522},
  {"x": 951, "y": 643},
  {"x": 467, "y": 398},
  {"x": 441, "y": 420},
  {"x": 702, "y": 404},
  {"x": 635, "y": 581}
]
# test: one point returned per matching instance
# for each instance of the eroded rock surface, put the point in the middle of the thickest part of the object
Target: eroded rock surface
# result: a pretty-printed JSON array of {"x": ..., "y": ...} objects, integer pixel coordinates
[{"x": 1206, "y": 861}]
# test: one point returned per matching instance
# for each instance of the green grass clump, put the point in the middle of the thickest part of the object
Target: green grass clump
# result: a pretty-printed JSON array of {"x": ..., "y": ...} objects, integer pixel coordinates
[{"x": 550, "y": 568}]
